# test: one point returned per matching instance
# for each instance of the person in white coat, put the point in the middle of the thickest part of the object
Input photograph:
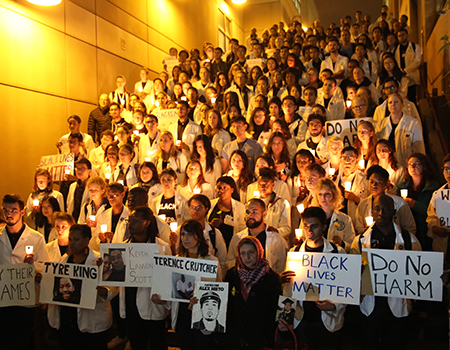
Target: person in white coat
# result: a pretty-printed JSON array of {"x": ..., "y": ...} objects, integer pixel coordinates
[
  {"x": 16, "y": 322},
  {"x": 78, "y": 192},
  {"x": 404, "y": 132},
  {"x": 384, "y": 318},
  {"x": 74, "y": 122},
  {"x": 114, "y": 218},
  {"x": 60, "y": 246},
  {"x": 275, "y": 247},
  {"x": 144, "y": 87},
  {"x": 97, "y": 155},
  {"x": 316, "y": 143},
  {"x": 204, "y": 153},
  {"x": 149, "y": 144},
  {"x": 325, "y": 335},
  {"x": 148, "y": 179},
  {"x": 335, "y": 62},
  {"x": 244, "y": 91},
  {"x": 334, "y": 105},
  {"x": 82, "y": 328}
]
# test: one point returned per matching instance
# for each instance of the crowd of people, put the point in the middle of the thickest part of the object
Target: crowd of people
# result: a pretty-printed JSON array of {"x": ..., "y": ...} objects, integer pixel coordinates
[{"x": 247, "y": 162}]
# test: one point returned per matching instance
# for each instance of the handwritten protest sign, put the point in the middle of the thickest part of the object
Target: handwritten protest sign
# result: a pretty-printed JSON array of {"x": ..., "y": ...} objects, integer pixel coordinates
[
  {"x": 322, "y": 276},
  {"x": 345, "y": 129},
  {"x": 165, "y": 118},
  {"x": 17, "y": 285},
  {"x": 176, "y": 276},
  {"x": 210, "y": 313},
  {"x": 127, "y": 264},
  {"x": 443, "y": 206},
  {"x": 57, "y": 165},
  {"x": 71, "y": 285},
  {"x": 406, "y": 274}
]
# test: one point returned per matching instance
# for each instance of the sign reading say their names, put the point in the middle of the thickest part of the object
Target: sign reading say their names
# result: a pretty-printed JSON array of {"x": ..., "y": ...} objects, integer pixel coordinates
[
  {"x": 17, "y": 285},
  {"x": 176, "y": 276},
  {"x": 73, "y": 285},
  {"x": 326, "y": 276},
  {"x": 165, "y": 118},
  {"x": 443, "y": 206},
  {"x": 57, "y": 165},
  {"x": 346, "y": 129},
  {"x": 406, "y": 274},
  {"x": 127, "y": 264}
]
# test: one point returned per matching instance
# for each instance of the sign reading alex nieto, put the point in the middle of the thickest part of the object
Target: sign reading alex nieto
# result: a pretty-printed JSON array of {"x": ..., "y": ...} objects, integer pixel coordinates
[
  {"x": 326, "y": 276},
  {"x": 17, "y": 285},
  {"x": 176, "y": 276},
  {"x": 406, "y": 274}
]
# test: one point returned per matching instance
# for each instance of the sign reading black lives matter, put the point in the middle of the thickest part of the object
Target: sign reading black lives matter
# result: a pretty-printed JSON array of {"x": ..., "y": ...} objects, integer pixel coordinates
[
  {"x": 406, "y": 274},
  {"x": 346, "y": 129},
  {"x": 71, "y": 285},
  {"x": 210, "y": 313},
  {"x": 443, "y": 207},
  {"x": 176, "y": 276},
  {"x": 326, "y": 276},
  {"x": 128, "y": 264},
  {"x": 17, "y": 285}
]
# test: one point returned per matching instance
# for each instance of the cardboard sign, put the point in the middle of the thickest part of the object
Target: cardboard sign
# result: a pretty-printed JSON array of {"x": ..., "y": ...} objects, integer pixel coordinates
[
  {"x": 176, "y": 276},
  {"x": 57, "y": 165},
  {"x": 127, "y": 264},
  {"x": 326, "y": 276},
  {"x": 406, "y": 274},
  {"x": 17, "y": 285},
  {"x": 255, "y": 62},
  {"x": 443, "y": 207},
  {"x": 210, "y": 313},
  {"x": 346, "y": 129},
  {"x": 71, "y": 285},
  {"x": 165, "y": 118}
]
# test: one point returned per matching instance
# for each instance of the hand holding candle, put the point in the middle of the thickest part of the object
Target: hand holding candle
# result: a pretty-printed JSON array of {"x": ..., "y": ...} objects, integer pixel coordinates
[
  {"x": 404, "y": 193},
  {"x": 369, "y": 220},
  {"x": 298, "y": 233},
  {"x": 348, "y": 186},
  {"x": 173, "y": 227},
  {"x": 256, "y": 194},
  {"x": 331, "y": 171},
  {"x": 301, "y": 208}
]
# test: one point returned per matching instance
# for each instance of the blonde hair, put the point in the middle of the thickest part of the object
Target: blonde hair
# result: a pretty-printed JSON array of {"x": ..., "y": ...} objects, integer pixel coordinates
[
  {"x": 97, "y": 180},
  {"x": 338, "y": 199},
  {"x": 172, "y": 152},
  {"x": 336, "y": 139}
]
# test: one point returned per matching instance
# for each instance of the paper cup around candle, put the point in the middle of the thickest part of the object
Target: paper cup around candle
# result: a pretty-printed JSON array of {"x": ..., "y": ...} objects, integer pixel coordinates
[
  {"x": 67, "y": 171},
  {"x": 348, "y": 186},
  {"x": 173, "y": 226},
  {"x": 147, "y": 159},
  {"x": 362, "y": 164},
  {"x": 292, "y": 265},
  {"x": 92, "y": 217},
  {"x": 140, "y": 88},
  {"x": 103, "y": 228},
  {"x": 196, "y": 191},
  {"x": 108, "y": 175},
  {"x": 404, "y": 193},
  {"x": 157, "y": 103},
  {"x": 183, "y": 98},
  {"x": 301, "y": 208},
  {"x": 348, "y": 103},
  {"x": 178, "y": 143},
  {"x": 162, "y": 217},
  {"x": 298, "y": 233},
  {"x": 121, "y": 182},
  {"x": 369, "y": 220},
  {"x": 331, "y": 171},
  {"x": 256, "y": 194},
  {"x": 213, "y": 100},
  {"x": 136, "y": 132},
  {"x": 29, "y": 249},
  {"x": 36, "y": 203}
]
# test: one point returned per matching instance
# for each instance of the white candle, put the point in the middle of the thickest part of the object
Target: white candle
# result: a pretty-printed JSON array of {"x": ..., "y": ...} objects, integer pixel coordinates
[
  {"x": 265, "y": 141},
  {"x": 298, "y": 233},
  {"x": 36, "y": 203},
  {"x": 348, "y": 103},
  {"x": 183, "y": 98},
  {"x": 157, "y": 103},
  {"x": 67, "y": 171},
  {"x": 136, "y": 132},
  {"x": 292, "y": 265},
  {"x": 92, "y": 217},
  {"x": 369, "y": 220},
  {"x": 140, "y": 88},
  {"x": 196, "y": 191},
  {"x": 103, "y": 228},
  {"x": 120, "y": 181},
  {"x": 173, "y": 226},
  {"x": 178, "y": 142},
  {"x": 213, "y": 100},
  {"x": 108, "y": 175},
  {"x": 313, "y": 152},
  {"x": 362, "y": 164},
  {"x": 404, "y": 193},
  {"x": 147, "y": 159},
  {"x": 348, "y": 186},
  {"x": 162, "y": 217},
  {"x": 29, "y": 249},
  {"x": 331, "y": 171},
  {"x": 256, "y": 194},
  {"x": 301, "y": 208},
  {"x": 122, "y": 102}
]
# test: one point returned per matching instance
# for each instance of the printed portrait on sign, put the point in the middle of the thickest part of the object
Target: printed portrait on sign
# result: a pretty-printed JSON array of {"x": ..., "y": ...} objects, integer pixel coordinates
[{"x": 67, "y": 290}]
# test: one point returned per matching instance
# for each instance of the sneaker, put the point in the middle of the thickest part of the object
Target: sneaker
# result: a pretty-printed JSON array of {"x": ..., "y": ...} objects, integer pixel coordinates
[{"x": 117, "y": 341}]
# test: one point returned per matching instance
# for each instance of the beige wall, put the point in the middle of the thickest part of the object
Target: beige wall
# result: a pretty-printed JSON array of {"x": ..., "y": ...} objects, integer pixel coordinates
[{"x": 56, "y": 61}]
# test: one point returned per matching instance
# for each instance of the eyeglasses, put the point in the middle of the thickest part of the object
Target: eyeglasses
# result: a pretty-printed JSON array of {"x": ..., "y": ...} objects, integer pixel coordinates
[
  {"x": 151, "y": 122},
  {"x": 348, "y": 159},
  {"x": 389, "y": 88},
  {"x": 197, "y": 208},
  {"x": 358, "y": 107},
  {"x": 446, "y": 169},
  {"x": 112, "y": 195},
  {"x": 414, "y": 165}
]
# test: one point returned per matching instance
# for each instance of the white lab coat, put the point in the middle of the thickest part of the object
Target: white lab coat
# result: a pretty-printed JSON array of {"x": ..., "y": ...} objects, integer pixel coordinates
[
  {"x": 413, "y": 60},
  {"x": 221, "y": 247},
  {"x": 70, "y": 197},
  {"x": 238, "y": 210},
  {"x": 97, "y": 157},
  {"x": 178, "y": 164},
  {"x": 321, "y": 150},
  {"x": 439, "y": 243},
  {"x": 409, "y": 108},
  {"x": 105, "y": 218},
  {"x": 335, "y": 109},
  {"x": 341, "y": 64},
  {"x": 187, "y": 192},
  {"x": 220, "y": 139},
  {"x": 131, "y": 175},
  {"x": 190, "y": 132},
  {"x": 181, "y": 207},
  {"x": 54, "y": 254},
  {"x": 147, "y": 151},
  {"x": 250, "y": 94},
  {"x": 408, "y": 137},
  {"x": 279, "y": 216}
]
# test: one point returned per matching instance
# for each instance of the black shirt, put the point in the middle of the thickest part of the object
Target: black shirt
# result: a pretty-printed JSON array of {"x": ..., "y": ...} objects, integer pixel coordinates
[
  {"x": 167, "y": 208},
  {"x": 181, "y": 127},
  {"x": 262, "y": 237},
  {"x": 78, "y": 199},
  {"x": 115, "y": 220},
  {"x": 14, "y": 237},
  {"x": 226, "y": 230},
  {"x": 381, "y": 241},
  {"x": 402, "y": 49},
  {"x": 392, "y": 134}
]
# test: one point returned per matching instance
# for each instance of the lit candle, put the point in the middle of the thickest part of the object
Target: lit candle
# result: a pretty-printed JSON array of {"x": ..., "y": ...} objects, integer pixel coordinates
[
  {"x": 108, "y": 175},
  {"x": 120, "y": 181},
  {"x": 67, "y": 171},
  {"x": 207, "y": 60},
  {"x": 140, "y": 88},
  {"x": 92, "y": 217},
  {"x": 36, "y": 203},
  {"x": 331, "y": 171},
  {"x": 147, "y": 159},
  {"x": 196, "y": 191},
  {"x": 104, "y": 228},
  {"x": 301, "y": 208},
  {"x": 157, "y": 103},
  {"x": 162, "y": 217},
  {"x": 362, "y": 164},
  {"x": 122, "y": 102},
  {"x": 178, "y": 142},
  {"x": 313, "y": 152},
  {"x": 213, "y": 100},
  {"x": 256, "y": 194},
  {"x": 404, "y": 193},
  {"x": 115, "y": 138},
  {"x": 173, "y": 226},
  {"x": 29, "y": 249},
  {"x": 369, "y": 220},
  {"x": 348, "y": 186},
  {"x": 136, "y": 132},
  {"x": 292, "y": 265},
  {"x": 298, "y": 233},
  {"x": 183, "y": 98},
  {"x": 348, "y": 103},
  {"x": 265, "y": 141}
]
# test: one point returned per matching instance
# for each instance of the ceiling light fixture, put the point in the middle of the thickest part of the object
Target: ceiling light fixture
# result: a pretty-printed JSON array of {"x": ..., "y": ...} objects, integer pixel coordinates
[
  {"x": 45, "y": 2},
  {"x": 238, "y": 2}
]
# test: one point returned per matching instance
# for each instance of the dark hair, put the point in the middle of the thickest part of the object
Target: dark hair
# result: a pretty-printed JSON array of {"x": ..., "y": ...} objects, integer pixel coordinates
[
  {"x": 392, "y": 79},
  {"x": 168, "y": 171},
  {"x": 397, "y": 72},
  {"x": 261, "y": 203},
  {"x": 195, "y": 228},
  {"x": 317, "y": 168},
  {"x": 265, "y": 126},
  {"x": 284, "y": 156},
  {"x": 84, "y": 161},
  {"x": 12, "y": 199},
  {"x": 108, "y": 133},
  {"x": 147, "y": 214},
  {"x": 315, "y": 116},
  {"x": 43, "y": 172},
  {"x": 116, "y": 186},
  {"x": 210, "y": 156},
  {"x": 350, "y": 149},
  {"x": 295, "y": 71},
  {"x": 230, "y": 182},
  {"x": 238, "y": 119},
  {"x": 267, "y": 174},
  {"x": 113, "y": 146},
  {"x": 427, "y": 172},
  {"x": 303, "y": 153},
  {"x": 245, "y": 176},
  {"x": 85, "y": 230},
  {"x": 201, "y": 178},
  {"x": 76, "y": 135},
  {"x": 376, "y": 169},
  {"x": 446, "y": 159},
  {"x": 202, "y": 199},
  {"x": 315, "y": 212},
  {"x": 284, "y": 128},
  {"x": 63, "y": 216},
  {"x": 137, "y": 192},
  {"x": 392, "y": 158},
  {"x": 74, "y": 116},
  {"x": 267, "y": 159},
  {"x": 42, "y": 220},
  {"x": 152, "y": 167}
]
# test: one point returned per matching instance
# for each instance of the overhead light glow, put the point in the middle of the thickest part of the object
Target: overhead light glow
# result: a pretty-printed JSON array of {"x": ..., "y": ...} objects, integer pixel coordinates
[
  {"x": 238, "y": 2},
  {"x": 45, "y": 2}
]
